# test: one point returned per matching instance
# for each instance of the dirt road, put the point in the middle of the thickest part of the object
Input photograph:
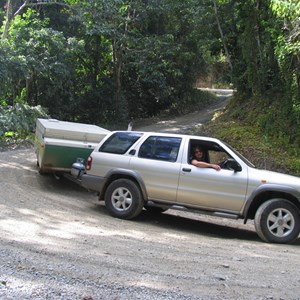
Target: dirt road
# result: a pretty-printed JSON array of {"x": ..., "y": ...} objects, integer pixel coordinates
[
  {"x": 58, "y": 242},
  {"x": 184, "y": 124}
]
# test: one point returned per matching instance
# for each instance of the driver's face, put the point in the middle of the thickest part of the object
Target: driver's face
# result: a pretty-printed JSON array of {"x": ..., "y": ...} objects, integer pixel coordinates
[{"x": 198, "y": 153}]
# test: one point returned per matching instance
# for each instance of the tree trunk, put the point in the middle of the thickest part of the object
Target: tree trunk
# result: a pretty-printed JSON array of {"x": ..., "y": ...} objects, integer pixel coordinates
[
  {"x": 9, "y": 16},
  {"x": 118, "y": 52},
  {"x": 117, "y": 59},
  {"x": 222, "y": 35}
]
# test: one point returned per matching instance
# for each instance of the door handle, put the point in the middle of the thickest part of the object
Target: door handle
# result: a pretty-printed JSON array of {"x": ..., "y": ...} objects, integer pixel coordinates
[{"x": 186, "y": 169}]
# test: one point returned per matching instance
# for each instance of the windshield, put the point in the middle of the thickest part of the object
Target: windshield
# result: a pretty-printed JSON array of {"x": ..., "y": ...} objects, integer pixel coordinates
[{"x": 245, "y": 160}]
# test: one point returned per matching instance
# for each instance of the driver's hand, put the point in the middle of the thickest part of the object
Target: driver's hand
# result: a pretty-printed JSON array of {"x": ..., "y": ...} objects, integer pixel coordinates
[{"x": 216, "y": 167}]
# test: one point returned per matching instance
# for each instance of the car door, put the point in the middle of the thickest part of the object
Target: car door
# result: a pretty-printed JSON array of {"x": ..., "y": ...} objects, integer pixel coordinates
[
  {"x": 210, "y": 189},
  {"x": 158, "y": 164}
]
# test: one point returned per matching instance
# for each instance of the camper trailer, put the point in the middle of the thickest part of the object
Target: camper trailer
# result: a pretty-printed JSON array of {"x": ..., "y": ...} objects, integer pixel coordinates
[{"x": 58, "y": 144}]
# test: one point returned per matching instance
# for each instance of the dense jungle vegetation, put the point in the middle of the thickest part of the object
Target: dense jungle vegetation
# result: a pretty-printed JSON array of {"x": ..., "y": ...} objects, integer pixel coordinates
[{"x": 110, "y": 61}]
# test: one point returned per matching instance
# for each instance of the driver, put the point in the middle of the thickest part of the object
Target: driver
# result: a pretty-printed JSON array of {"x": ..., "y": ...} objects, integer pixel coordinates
[{"x": 198, "y": 159}]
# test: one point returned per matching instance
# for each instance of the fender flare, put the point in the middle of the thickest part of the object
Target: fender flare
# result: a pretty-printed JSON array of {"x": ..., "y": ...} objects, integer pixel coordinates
[
  {"x": 125, "y": 173},
  {"x": 269, "y": 188}
]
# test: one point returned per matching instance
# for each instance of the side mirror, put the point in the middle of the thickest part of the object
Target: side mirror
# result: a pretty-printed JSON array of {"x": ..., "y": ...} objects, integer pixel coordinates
[{"x": 232, "y": 164}]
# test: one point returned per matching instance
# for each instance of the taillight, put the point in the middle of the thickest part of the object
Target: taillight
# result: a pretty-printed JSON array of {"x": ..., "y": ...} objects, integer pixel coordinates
[{"x": 88, "y": 165}]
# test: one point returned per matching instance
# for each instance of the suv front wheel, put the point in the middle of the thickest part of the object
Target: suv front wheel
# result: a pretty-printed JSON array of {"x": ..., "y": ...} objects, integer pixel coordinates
[
  {"x": 277, "y": 221},
  {"x": 123, "y": 199}
]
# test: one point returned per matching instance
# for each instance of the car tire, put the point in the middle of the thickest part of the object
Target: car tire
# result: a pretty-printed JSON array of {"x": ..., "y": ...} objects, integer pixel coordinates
[
  {"x": 277, "y": 221},
  {"x": 123, "y": 199}
]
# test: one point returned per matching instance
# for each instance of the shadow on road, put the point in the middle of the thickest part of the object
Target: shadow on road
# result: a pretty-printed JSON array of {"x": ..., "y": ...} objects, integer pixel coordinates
[
  {"x": 182, "y": 224},
  {"x": 203, "y": 227}
]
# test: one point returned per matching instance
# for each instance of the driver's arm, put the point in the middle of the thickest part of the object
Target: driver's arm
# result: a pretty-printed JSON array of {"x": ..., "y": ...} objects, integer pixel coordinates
[{"x": 202, "y": 164}]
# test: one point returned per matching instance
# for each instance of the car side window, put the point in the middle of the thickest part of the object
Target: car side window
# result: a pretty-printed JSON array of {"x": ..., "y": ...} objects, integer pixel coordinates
[
  {"x": 160, "y": 148},
  {"x": 212, "y": 152},
  {"x": 217, "y": 157},
  {"x": 120, "y": 142}
]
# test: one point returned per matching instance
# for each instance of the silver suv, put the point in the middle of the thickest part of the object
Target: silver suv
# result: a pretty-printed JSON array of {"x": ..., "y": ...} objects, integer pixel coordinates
[{"x": 136, "y": 170}]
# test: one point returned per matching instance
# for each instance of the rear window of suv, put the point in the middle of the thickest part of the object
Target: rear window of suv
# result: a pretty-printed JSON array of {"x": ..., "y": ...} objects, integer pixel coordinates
[
  {"x": 160, "y": 148},
  {"x": 120, "y": 142}
]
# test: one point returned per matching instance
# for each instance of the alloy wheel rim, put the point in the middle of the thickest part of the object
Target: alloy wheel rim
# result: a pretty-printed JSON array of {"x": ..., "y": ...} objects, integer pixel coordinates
[
  {"x": 121, "y": 199},
  {"x": 280, "y": 222}
]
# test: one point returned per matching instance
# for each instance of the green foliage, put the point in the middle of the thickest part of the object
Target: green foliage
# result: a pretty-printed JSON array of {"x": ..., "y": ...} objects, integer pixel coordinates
[
  {"x": 287, "y": 50},
  {"x": 121, "y": 60},
  {"x": 17, "y": 121},
  {"x": 255, "y": 128},
  {"x": 39, "y": 61},
  {"x": 194, "y": 100},
  {"x": 164, "y": 60}
]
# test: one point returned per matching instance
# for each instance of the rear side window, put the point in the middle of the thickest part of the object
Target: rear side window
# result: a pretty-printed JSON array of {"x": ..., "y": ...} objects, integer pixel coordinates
[
  {"x": 160, "y": 148},
  {"x": 120, "y": 142}
]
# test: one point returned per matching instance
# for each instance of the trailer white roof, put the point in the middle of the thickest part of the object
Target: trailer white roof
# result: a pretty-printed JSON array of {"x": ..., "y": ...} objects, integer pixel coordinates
[{"x": 70, "y": 130}]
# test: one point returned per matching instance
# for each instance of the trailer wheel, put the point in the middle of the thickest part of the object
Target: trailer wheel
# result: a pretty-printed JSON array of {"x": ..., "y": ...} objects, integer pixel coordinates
[
  {"x": 123, "y": 199},
  {"x": 41, "y": 171},
  {"x": 277, "y": 221}
]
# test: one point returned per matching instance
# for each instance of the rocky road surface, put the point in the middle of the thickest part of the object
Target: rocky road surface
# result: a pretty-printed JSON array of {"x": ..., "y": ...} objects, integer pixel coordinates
[{"x": 58, "y": 242}]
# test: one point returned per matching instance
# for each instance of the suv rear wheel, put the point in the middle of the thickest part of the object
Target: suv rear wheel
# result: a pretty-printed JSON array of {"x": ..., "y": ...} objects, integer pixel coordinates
[
  {"x": 123, "y": 199},
  {"x": 277, "y": 221}
]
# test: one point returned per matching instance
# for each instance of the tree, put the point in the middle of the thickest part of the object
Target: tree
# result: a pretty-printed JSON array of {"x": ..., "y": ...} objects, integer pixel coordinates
[
  {"x": 140, "y": 56},
  {"x": 288, "y": 41},
  {"x": 14, "y": 8},
  {"x": 39, "y": 64},
  {"x": 164, "y": 59},
  {"x": 113, "y": 22},
  {"x": 287, "y": 50}
]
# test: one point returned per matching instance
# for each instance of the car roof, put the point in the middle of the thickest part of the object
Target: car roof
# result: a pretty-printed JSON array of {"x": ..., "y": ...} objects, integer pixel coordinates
[{"x": 149, "y": 133}]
